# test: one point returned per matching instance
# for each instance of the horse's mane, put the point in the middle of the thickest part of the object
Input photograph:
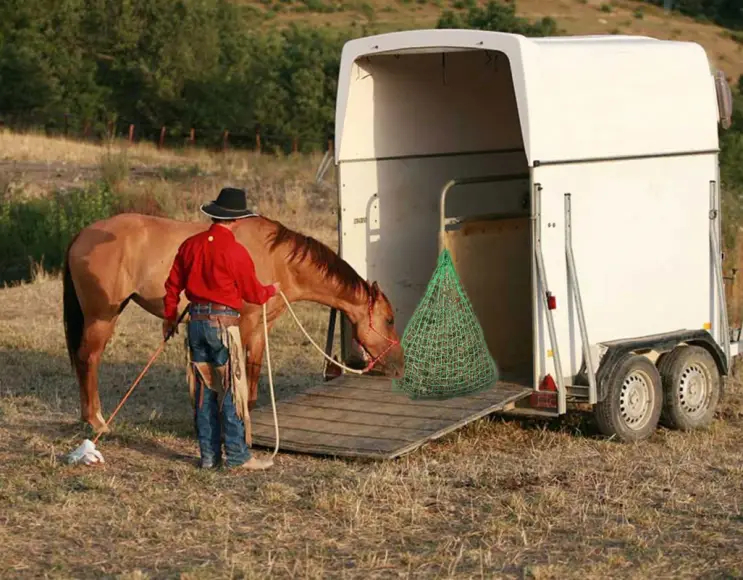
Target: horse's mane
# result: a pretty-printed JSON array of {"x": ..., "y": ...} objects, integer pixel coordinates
[{"x": 305, "y": 247}]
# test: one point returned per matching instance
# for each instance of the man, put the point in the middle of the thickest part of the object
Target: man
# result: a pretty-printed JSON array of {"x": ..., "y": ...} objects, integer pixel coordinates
[{"x": 217, "y": 274}]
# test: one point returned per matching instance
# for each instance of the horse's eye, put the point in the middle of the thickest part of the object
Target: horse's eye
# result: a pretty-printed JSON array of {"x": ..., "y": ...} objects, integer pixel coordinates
[{"x": 391, "y": 321}]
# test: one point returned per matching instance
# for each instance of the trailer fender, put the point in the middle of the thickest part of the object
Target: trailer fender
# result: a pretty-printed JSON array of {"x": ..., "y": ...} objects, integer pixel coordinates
[{"x": 660, "y": 343}]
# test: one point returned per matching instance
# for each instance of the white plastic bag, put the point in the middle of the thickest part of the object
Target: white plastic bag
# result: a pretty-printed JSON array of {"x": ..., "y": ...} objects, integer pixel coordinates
[{"x": 86, "y": 454}]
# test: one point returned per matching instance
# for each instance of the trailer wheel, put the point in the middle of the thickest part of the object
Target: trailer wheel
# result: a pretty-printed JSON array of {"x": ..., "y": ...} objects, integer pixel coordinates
[
  {"x": 660, "y": 359},
  {"x": 634, "y": 400},
  {"x": 691, "y": 388}
]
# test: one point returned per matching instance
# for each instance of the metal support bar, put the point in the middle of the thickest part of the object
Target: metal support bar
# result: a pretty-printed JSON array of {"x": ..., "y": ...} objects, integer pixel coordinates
[
  {"x": 573, "y": 277},
  {"x": 329, "y": 338},
  {"x": 323, "y": 167},
  {"x": 714, "y": 225},
  {"x": 543, "y": 289}
]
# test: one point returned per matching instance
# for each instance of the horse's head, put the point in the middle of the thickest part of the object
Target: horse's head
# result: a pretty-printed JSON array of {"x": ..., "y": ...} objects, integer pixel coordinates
[{"x": 377, "y": 336}]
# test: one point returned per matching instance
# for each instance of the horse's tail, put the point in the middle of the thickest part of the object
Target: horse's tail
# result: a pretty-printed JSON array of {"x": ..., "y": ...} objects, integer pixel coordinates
[{"x": 73, "y": 312}]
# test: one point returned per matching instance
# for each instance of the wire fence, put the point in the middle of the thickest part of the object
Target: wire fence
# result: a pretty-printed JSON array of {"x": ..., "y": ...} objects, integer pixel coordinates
[{"x": 253, "y": 138}]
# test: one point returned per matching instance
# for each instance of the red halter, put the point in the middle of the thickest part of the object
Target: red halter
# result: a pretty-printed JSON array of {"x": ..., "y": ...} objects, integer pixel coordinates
[{"x": 392, "y": 343}]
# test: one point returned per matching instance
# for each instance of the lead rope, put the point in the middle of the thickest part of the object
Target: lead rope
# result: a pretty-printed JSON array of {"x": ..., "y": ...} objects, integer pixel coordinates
[
  {"x": 270, "y": 381},
  {"x": 270, "y": 373},
  {"x": 320, "y": 350}
]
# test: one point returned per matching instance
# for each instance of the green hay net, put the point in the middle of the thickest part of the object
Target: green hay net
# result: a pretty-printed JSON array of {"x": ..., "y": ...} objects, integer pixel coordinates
[{"x": 445, "y": 350}]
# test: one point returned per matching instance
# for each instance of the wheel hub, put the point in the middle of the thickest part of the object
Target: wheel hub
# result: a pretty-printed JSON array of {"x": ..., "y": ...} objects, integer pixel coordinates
[
  {"x": 636, "y": 400},
  {"x": 693, "y": 390}
]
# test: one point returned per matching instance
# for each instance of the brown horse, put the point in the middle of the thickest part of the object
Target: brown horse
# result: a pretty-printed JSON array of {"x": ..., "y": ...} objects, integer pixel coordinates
[{"x": 128, "y": 258}]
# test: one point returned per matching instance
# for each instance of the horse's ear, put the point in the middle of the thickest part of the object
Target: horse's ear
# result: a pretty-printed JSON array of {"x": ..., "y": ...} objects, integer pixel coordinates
[{"x": 375, "y": 289}]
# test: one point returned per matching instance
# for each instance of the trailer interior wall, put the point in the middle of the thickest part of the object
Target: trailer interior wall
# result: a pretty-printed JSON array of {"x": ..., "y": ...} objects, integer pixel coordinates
[{"x": 419, "y": 120}]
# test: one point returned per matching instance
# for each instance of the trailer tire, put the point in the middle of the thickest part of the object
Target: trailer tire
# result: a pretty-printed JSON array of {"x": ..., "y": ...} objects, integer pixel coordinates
[
  {"x": 634, "y": 399},
  {"x": 659, "y": 361},
  {"x": 691, "y": 388}
]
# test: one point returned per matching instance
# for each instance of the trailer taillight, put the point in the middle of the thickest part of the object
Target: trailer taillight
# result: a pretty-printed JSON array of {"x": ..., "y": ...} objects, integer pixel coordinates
[
  {"x": 546, "y": 396},
  {"x": 548, "y": 384},
  {"x": 551, "y": 301}
]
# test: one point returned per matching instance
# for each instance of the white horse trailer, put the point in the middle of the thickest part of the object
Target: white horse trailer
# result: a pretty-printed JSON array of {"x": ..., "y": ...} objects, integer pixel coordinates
[{"x": 577, "y": 183}]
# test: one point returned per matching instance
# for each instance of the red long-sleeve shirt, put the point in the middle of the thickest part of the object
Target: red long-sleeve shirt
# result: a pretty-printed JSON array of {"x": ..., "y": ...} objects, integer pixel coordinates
[{"x": 213, "y": 267}]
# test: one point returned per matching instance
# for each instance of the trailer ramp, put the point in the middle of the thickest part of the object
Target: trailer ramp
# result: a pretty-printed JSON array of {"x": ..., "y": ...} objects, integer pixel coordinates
[{"x": 361, "y": 416}]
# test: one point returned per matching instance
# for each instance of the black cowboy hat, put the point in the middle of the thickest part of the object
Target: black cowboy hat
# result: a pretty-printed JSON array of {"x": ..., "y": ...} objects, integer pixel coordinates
[{"x": 231, "y": 204}]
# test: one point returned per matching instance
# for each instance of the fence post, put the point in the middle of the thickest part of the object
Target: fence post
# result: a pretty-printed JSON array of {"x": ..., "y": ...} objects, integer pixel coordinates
[
  {"x": 131, "y": 133},
  {"x": 294, "y": 145},
  {"x": 86, "y": 129},
  {"x": 192, "y": 136},
  {"x": 257, "y": 141},
  {"x": 162, "y": 137},
  {"x": 66, "y": 124},
  {"x": 330, "y": 145},
  {"x": 110, "y": 129},
  {"x": 225, "y": 135}
]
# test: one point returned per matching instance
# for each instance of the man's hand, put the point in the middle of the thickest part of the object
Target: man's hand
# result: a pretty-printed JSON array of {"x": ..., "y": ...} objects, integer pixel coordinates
[{"x": 167, "y": 326}]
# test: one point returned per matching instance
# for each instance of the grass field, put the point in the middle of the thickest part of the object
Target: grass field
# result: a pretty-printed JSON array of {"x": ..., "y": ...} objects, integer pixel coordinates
[{"x": 500, "y": 498}]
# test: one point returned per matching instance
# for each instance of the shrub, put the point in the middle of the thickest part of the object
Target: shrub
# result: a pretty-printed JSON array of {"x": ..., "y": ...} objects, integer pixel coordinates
[
  {"x": 114, "y": 167},
  {"x": 38, "y": 230},
  {"x": 727, "y": 13},
  {"x": 500, "y": 18}
]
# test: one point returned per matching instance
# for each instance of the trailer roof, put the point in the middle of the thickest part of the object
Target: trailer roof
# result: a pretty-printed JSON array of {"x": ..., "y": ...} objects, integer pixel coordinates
[{"x": 579, "y": 98}]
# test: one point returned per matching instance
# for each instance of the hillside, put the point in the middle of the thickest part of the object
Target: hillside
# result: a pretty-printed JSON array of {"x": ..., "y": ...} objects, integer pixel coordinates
[
  {"x": 238, "y": 68},
  {"x": 575, "y": 17}
]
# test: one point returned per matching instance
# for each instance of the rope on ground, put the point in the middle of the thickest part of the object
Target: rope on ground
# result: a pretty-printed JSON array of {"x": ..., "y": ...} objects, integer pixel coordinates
[{"x": 270, "y": 382}]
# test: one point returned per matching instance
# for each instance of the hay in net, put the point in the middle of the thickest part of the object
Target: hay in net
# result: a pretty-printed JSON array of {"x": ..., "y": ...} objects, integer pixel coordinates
[{"x": 446, "y": 354}]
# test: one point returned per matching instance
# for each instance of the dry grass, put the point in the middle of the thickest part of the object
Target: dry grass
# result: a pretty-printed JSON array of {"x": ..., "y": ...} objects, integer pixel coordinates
[
  {"x": 56, "y": 153},
  {"x": 511, "y": 499},
  {"x": 39, "y": 148},
  {"x": 172, "y": 183},
  {"x": 503, "y": 499}
]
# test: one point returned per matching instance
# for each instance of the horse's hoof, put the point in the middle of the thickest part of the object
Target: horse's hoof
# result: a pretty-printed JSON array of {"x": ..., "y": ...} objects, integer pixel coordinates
[
  {"x": 102, "y": 428},
  {"x": 97, "y": 424}
]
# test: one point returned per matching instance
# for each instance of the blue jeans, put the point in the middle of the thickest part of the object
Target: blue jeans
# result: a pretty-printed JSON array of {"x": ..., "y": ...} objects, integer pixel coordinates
[{"x": 211, "y": 422}]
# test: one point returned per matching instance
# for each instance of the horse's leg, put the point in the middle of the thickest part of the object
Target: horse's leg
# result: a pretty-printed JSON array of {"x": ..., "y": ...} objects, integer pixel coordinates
[
  {"x": 251, "y": 330},
  {"x": 253, "y": 362},
  {"x": 96, "y": 335}
]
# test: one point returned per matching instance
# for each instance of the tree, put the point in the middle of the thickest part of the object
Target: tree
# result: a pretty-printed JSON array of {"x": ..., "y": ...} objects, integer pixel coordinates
[{"x": 498, "y": 17}]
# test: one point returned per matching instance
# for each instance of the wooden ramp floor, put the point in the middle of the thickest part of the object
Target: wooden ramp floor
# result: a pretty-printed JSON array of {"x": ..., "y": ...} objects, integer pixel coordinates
[{"x": 361, "y": 416}]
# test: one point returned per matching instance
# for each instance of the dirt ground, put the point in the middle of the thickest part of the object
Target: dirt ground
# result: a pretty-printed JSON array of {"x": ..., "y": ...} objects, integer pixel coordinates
[
  {"x": 498, "y": 499},
  {"x": 501, "y": 498}
]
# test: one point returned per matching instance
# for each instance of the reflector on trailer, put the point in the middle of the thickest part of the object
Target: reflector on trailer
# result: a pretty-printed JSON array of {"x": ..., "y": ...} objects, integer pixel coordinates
[
  {"x": 548, "y": 384},
  {"x": 551, "y": 301}
]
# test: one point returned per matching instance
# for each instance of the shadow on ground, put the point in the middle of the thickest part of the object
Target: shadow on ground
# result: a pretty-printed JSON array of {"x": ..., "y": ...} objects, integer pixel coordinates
[{"x": 41, "y": 385}]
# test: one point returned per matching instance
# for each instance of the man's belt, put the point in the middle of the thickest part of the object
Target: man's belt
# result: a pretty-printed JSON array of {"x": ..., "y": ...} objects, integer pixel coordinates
[
  {"x": 212, "y": 306},
  {"x": 225, "y": 319}
]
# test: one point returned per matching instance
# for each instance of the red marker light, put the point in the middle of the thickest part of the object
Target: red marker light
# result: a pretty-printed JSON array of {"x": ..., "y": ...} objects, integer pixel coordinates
[
  {"x": 548, "y": 384},
  {"x": 546, "y": 396},
  {"x": 551, "y": 301}
]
